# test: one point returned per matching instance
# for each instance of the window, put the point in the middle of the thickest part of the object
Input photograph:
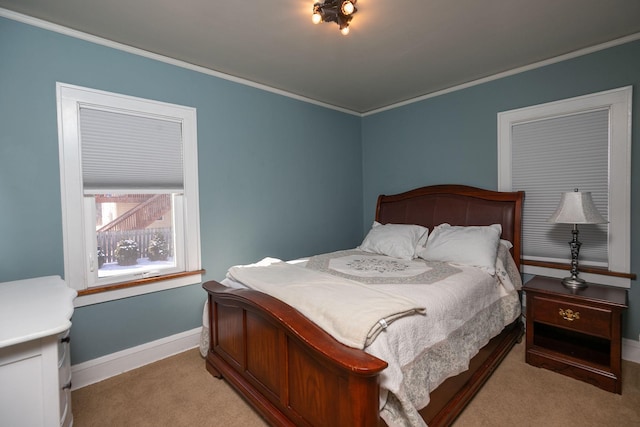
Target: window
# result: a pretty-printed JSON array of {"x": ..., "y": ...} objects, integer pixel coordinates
[
  {"x": 129, "y": 193},
  {"x": 583, "y": 143}
]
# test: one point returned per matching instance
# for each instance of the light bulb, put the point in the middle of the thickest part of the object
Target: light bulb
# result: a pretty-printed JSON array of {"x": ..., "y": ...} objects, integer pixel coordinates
[
  {"x": 347, "y": 7},
  {"x": 316, "y": 18},
  {"x": 344, "y": 30}
]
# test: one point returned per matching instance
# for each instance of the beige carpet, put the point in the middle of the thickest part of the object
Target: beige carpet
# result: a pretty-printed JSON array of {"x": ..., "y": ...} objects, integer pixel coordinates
[
  {"x": 178, "y": 391},
  {"x": 523, "y": 395}
]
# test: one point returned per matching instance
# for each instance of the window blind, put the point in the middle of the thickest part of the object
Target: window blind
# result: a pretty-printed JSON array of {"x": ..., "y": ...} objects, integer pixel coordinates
[
  {"x": 556, "y": 155},
  {"x": 129, "y": 152}
]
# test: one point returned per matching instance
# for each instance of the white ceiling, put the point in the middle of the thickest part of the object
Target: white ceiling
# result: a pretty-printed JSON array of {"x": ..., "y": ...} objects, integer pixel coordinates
[{"x": 396, "y": 50}]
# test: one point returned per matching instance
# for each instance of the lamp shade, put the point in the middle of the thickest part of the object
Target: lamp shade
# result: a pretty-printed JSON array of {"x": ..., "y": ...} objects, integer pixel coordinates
[{"x": 577, "y": 208}]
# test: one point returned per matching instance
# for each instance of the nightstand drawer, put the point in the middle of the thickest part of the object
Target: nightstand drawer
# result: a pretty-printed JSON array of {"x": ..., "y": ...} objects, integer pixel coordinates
[{"x": 576, "y": 317}]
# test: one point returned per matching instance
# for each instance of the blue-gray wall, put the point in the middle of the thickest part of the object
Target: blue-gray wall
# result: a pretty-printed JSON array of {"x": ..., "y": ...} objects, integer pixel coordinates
[
  {"x": 452, "y": 138},
  {"x": 272, "y": 182}
]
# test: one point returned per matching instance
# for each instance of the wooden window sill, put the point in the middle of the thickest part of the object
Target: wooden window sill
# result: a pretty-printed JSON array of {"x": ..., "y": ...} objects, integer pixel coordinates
[
  {"x": 583, "y": 269},
  {"x": 138, "y": 282}
]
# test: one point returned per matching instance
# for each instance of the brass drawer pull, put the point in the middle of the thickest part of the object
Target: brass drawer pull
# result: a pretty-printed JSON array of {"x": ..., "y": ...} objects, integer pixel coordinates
[{"x": 569, "y": 314}]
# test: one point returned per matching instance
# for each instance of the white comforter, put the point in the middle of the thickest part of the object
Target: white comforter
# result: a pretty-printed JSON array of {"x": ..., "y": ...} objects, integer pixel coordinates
[
  {"x": 464, "y": 308},
  {"x": 355, "y": 318}
]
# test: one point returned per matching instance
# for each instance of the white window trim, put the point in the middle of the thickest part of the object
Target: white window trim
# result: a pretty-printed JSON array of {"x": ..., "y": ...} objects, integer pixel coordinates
[
  {"x": 69, "y": 99},
  {"x": 618, "y": 101}
]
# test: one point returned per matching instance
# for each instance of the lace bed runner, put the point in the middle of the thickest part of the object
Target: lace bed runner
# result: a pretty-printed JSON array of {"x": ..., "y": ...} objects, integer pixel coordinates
[{"x": 375, "y": 269}]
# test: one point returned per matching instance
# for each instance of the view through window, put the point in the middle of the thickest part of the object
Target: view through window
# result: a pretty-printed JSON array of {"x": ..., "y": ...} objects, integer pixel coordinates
[{"x": 134, "y": 234}]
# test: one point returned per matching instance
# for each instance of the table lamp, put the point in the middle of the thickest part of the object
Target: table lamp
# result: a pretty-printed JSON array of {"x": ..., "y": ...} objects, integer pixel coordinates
[{"x": 576, "y": 208}]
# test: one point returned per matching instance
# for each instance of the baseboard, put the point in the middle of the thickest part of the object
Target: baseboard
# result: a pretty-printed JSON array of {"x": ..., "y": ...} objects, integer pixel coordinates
[
  {"x": 104, "y": 367},
  {"x": 93, "y": 371},
  {"x": 631, "y": 350}
]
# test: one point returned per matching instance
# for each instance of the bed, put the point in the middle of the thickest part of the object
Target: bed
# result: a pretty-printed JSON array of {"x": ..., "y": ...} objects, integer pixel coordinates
[{"x": 294, "y": 373}]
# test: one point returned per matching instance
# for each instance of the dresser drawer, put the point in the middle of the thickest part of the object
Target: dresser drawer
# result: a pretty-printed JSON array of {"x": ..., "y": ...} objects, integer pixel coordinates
[
  {"x": 64, "y": 378},
  {"x": 589, "y": 320},
  {"x": 66, "y": 417},
  {"x": 63, "y": 347}
]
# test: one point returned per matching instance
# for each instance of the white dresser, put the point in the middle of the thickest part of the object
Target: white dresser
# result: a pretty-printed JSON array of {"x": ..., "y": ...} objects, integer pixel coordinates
[{"x": 35, "y": 368}]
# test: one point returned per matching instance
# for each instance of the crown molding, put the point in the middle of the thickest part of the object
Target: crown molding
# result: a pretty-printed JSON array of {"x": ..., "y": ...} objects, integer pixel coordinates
[
  {"x": 136, "y": 51},
  {"x": 46, "y": 25}
]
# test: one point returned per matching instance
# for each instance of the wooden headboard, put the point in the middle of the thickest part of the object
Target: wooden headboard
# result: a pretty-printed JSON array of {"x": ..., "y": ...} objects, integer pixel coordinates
[{"x": 456, "y": 205}]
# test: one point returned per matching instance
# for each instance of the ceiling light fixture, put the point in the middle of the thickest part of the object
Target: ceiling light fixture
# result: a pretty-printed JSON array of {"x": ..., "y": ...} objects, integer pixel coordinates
[{"x": 339, "y": 11}]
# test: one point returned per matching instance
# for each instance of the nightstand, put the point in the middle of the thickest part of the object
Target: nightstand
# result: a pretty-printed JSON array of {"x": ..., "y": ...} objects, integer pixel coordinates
[{"x": 576, "y": 332}]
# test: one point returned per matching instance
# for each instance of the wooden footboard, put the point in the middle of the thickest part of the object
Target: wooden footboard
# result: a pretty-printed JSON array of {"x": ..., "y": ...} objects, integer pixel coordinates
[{"x": 290, "y": 370}]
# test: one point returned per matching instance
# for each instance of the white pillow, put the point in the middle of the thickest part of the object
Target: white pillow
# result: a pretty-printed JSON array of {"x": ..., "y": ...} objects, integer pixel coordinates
[
  {"x": 394, "y": 240},
  {"x": 474, "y": 245}
]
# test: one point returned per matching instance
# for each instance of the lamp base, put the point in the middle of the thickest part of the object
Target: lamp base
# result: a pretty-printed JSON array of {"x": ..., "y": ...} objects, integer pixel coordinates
[{"x": 574, "y": 283}]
